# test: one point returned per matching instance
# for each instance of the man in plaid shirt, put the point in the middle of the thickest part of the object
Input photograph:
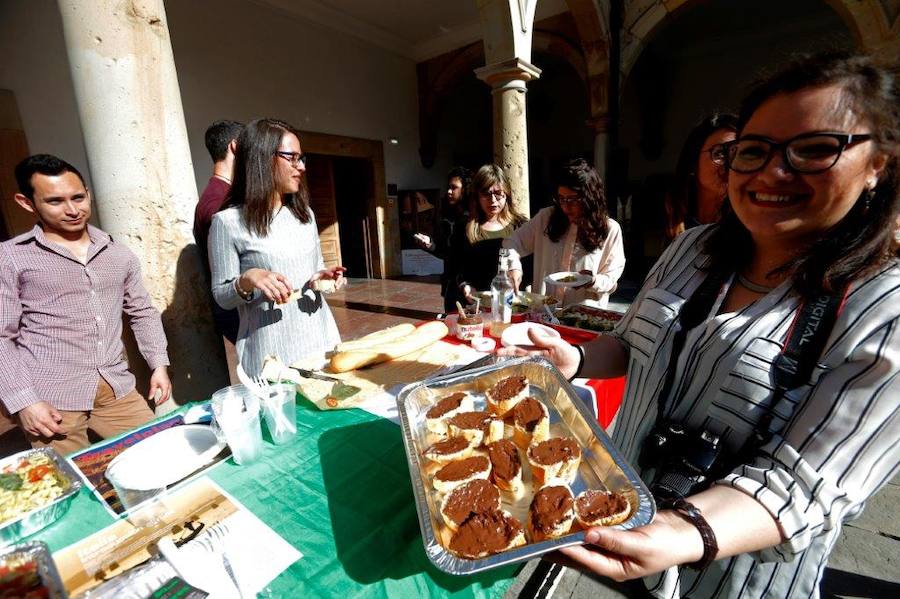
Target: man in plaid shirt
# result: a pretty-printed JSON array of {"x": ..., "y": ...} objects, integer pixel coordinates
[{"x": 63, "y": 288}]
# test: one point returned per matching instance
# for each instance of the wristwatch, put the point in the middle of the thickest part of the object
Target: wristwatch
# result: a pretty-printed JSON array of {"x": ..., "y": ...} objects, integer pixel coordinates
[{"x": 692, "y": 514}]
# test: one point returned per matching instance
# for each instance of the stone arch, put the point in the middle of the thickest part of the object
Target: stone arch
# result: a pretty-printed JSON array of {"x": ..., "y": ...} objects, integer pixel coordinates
[
  {"x": 590, "y": 17},
  {"x": 874, "y": 24}
]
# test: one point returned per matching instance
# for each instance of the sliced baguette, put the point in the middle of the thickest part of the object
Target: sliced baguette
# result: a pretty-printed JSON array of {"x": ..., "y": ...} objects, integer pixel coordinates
[
  {"x": 446, "y": 486},
  {"x": 552, "y": 530},
  {"x": 422, "y": 337},
  {"x": 608, "y": 520},
  {"x": 376, "y": 338},
  {"x": 438, "y": 424}
]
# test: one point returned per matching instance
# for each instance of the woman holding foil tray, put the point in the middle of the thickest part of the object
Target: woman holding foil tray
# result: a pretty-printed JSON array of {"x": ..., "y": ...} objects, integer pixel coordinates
[
  {"x": 763, "y": 353},
  {"x": 264, "y": 245}
]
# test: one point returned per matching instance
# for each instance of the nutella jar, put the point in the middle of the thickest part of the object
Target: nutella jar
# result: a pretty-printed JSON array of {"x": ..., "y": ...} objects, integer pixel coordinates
[{"x": 469, "y": 328}]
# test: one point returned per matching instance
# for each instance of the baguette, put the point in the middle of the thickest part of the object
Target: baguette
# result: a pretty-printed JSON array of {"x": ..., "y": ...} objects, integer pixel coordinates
[
  {"x": 422, "y": 337},
  {"x": 376, "y": 338}
]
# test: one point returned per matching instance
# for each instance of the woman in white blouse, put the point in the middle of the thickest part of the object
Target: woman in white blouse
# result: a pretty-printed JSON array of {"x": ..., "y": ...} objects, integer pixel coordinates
[
  {"x": 813, "y": 198},
  {"x": 264, "y": 252},
  {"x": 575, "y": 234}
]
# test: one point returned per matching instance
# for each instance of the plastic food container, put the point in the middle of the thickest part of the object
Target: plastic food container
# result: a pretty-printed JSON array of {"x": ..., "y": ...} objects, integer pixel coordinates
[
  {"x": 40, "y": 517},
  {"x": 28, "y": 570}
]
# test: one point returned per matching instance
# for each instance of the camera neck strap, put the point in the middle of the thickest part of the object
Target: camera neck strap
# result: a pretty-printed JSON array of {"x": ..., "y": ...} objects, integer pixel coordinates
[
  {"x": 803, "y": 347},
  {"x": 793, "y": 366}
]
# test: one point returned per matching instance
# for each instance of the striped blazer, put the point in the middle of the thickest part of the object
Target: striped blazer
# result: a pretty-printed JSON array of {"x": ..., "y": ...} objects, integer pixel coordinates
[{"x": 836, "y": 437}]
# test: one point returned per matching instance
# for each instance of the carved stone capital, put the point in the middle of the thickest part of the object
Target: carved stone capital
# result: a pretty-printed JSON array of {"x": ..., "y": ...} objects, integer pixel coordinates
[{"x": 512, "y": 73}]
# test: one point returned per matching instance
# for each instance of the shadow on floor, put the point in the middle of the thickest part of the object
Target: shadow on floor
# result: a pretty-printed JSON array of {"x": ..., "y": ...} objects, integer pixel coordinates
[{"x": 837, "y": 583}]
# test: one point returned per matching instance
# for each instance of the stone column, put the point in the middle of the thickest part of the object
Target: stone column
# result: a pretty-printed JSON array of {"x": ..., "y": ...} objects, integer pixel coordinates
[
  {"x": 507, "y": 80},
  {"x": 123, "y": 71},
  {"x": 600, "y": 127}
]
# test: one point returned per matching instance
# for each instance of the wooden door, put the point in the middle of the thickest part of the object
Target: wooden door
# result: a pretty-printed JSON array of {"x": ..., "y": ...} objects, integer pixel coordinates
[
  {"x": 13, "y": 149},
  {"x": 320, "y": 181}
]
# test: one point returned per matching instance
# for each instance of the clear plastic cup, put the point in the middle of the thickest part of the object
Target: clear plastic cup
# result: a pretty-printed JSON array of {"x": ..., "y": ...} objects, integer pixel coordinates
[
  {"x": 134, "y": 490},
  {"x": 236, "y": 417},
  {"x": 280, "y": 412}
]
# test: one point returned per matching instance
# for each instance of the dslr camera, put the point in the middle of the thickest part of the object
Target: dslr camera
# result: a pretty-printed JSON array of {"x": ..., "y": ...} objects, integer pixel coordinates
[{"x": 685, "y": 462}]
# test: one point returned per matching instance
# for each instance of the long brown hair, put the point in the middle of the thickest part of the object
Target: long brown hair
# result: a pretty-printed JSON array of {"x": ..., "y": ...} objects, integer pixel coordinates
[
  {"x": 593, "y": 227},
  {"x": 486, "y": 177},
  {"x": 862, "y": 241},
  {"x": 253, "y": 186}
]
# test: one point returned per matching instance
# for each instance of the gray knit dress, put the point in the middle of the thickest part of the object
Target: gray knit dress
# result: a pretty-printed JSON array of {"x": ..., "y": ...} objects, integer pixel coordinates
[{"x": 289, "y": 331}]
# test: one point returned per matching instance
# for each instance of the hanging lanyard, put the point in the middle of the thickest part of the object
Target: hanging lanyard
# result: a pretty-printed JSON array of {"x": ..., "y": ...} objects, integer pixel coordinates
[{"x": 793, "y": 366}]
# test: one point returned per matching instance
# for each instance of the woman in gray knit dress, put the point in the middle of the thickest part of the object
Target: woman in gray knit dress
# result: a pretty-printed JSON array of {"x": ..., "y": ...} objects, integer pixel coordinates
[{"x": 264, "y": 246}]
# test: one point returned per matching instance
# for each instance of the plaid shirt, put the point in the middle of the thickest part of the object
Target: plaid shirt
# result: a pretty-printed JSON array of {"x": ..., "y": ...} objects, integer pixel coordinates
[{"x": 61, "y": 321}]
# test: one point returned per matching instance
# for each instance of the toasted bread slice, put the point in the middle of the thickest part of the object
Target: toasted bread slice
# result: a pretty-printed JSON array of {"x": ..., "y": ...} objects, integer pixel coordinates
[
  {"x": 475, "y": 497},
  {"x": 449, "y": 450},
  {"x": 446, "y": 408},
  {"x": 555, "y": 460},
  {"x": 551, "y": 514},
  {"x": 480, "y": 428},
  {"x": 601, "y": 508},
  {"x": 506, "y": 467},
  {"x": 485, "y": 534},
  {"x": 460, "y": 472},
  {"x": 503, "y": 397},
  {"x": 531, "y": 422}
]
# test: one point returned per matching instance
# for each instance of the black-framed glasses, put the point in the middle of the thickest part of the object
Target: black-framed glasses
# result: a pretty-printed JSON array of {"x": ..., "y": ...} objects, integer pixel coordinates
[
  {"x": 295, "y": 158},
  {"x": 567, "y": 200},
  {"x": 808, "y": 153},
  {"x": 717, "y": 153},
  {"x": 499, "y": 194}
]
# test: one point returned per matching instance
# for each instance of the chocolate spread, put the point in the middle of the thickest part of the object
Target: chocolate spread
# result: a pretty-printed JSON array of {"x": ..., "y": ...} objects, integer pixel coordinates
[
  {"x": 485, "y": 533},
  {"x": 508, "y": 387},
  {"x": 475, "y": 497},
  {"x": 472, "y": 420},
  {"x": 550, "y": 507},
  {"x": 469, "y": 320},
  {"x": 555, "y": 450},
  {"x": 593, "y": 505},
  {"x": 528, "y": 413},
  {"x": 448, "y": 446},
  {"x": 463, "y": 469},
  {"x": 447, "y": 404},
  {"x": 504, "y": 459}
]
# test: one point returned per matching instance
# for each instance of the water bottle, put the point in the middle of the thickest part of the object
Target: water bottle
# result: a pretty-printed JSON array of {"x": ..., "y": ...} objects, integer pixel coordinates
[{"x": 501, "y": 297}]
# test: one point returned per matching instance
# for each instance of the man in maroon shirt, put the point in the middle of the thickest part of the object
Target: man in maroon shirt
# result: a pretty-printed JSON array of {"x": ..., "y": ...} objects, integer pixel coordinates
[
  {"x": 63, "y": 288},
  {"x": 221, "y": 139}
]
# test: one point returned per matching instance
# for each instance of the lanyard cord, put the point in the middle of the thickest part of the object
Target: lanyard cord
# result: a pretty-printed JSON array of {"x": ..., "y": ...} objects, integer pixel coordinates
[{"x": 793, "y": 366}]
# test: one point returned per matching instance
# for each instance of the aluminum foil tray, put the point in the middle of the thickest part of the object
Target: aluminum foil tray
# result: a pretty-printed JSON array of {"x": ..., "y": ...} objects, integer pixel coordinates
[
  {"x": 602, "y": 466},
  {"x": 37, "y": 552},
  {"x": 38, "y": 518}
]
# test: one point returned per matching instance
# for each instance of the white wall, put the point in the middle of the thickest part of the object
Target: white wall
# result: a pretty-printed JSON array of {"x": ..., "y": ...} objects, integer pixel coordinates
[
  {"x": 236, "y": 59},
  {"x": 240, "y": 60},
  {"x": 34, "y": 66}
]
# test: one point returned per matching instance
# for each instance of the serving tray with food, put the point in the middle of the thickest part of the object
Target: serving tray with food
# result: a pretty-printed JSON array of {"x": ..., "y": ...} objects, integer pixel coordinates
[
  {"x": 28, "y": 571},
  {"x": 36, "y": 488},
  {"x": 508, "y": 464},
  {"x": 588, "y": 318}
]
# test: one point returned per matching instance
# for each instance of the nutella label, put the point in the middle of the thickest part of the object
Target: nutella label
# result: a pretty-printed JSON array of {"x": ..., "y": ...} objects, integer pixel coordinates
[
  {"x": 463, "y": 469},
  {"x": 476, "y": 497},
  {"x": 555, "y": 450},
  {"x": 485, "y": 534},
  {"x": 551, "y": 507},
  {"x": 447, "y": 404},
  {"x": 593, "y": 505},
  {"x": 528, "y": 413},
  {"x": 508, "y": 387},
  {"x": 447, "y": 447},
  {"x": 504, "y": 460}
]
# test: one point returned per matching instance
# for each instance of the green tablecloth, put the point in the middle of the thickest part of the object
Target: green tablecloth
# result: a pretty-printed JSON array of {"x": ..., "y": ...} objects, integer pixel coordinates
[{"x": 341, "y": 494}]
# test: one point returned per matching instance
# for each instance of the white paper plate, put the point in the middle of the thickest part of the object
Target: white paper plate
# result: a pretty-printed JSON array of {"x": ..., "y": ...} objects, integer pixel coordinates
[
  {"x": 167, "y": 457},
  {"x": 517, "y": 334},
  {"x": 577, "y": 279}
]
